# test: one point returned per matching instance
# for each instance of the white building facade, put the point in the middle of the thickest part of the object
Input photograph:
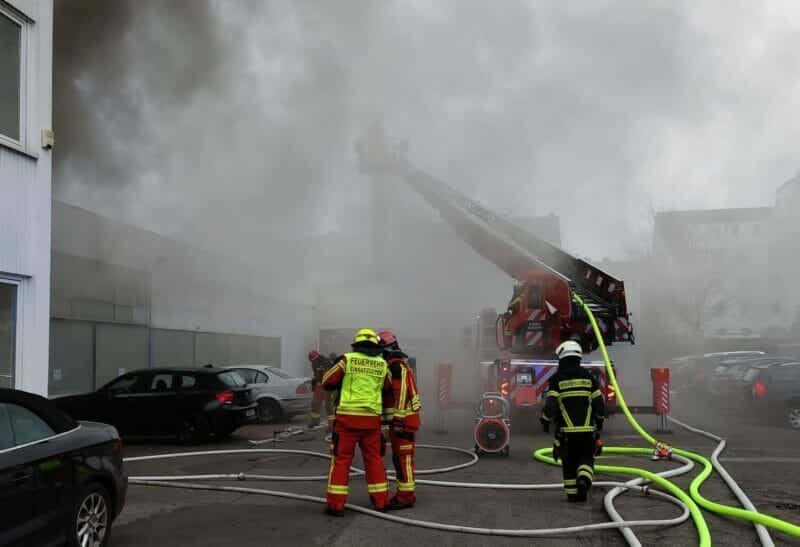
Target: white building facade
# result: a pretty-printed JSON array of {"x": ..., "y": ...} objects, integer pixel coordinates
[{"x": 26, "y": 38}]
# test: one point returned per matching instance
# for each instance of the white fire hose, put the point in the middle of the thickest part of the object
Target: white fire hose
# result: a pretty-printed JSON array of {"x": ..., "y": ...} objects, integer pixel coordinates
[{"x": 177, "y": 481}]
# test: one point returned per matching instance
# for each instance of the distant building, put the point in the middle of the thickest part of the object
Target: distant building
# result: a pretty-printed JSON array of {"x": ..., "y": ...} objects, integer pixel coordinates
[
  {"x": 26, "y": 68},
  {"x": 714, "y": 233},
  {"x": 125, "y": 298},
  {"x": 713, "y": 267}
]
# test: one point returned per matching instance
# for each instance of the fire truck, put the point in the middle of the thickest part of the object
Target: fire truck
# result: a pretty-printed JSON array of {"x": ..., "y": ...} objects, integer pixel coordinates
[{"x": 541, "y": 313}]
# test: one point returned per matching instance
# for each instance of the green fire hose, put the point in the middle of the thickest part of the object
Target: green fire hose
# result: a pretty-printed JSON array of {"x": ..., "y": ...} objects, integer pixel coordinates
[{"x": 696, "y": 499}]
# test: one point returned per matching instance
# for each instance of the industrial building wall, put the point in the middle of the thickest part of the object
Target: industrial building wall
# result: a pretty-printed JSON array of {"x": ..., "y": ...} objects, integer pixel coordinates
[
  {"x": 180, "y": 303},
  {"x": 25, "y": 194},
  {"x": 85, "y": 355},
  {"x": 109, "y": 319}
]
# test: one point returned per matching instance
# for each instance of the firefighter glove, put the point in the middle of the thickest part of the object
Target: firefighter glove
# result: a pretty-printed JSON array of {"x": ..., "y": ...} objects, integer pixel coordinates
[{"x": 598, "y": 447}]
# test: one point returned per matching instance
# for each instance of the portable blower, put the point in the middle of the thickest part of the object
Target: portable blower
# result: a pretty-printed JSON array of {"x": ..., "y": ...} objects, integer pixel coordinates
[{"x": 493, "y": 425}]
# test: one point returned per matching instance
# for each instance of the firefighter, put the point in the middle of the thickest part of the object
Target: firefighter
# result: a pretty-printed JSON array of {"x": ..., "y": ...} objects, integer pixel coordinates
[
  {"x": 405, "y": 422},
  {"x": 575, "y": 406},
  {"x": 319, "y": 365},
  {"x": 330, "y": 403},
  {"x": 365, "y": 399}
]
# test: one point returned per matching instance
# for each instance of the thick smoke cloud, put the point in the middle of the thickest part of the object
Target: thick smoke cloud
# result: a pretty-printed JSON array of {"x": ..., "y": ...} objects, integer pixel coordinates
[{"x": 229, "y": 121}]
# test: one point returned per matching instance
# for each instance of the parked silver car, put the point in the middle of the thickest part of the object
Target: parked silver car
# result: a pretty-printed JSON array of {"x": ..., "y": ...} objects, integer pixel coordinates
[{"x": 280, "y": 396}]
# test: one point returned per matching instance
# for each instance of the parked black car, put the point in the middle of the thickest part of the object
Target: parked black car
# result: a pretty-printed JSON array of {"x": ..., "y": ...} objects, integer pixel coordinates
[
  {"x": 726, "y": 379},
  {"x": 191, "y": 404},
  {"x": 691, "y": 375},
  {"x": 60, "y": 480},
  {"x": 775, "y": 391}
]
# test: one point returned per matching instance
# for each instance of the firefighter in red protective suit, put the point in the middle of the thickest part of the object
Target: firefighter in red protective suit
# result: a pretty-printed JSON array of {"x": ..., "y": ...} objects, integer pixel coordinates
[
  {"x": 365, "y": 401},
  {"x": 405, "y": 422},
  {"x": 319, "y": 365}
]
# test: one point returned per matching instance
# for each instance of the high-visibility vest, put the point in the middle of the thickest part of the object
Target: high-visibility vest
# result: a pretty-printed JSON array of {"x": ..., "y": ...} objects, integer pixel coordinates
[{"x": 361, "y": 393}]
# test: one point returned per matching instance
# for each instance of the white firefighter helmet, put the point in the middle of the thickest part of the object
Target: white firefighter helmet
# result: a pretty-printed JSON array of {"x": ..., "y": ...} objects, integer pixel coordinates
[{"x": 570, "y": 348}]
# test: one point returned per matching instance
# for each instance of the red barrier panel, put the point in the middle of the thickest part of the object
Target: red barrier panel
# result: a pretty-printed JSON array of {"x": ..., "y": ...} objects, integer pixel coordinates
[
  {"x": 445, "y": 377},
  {"x": 660, "y": 377}
]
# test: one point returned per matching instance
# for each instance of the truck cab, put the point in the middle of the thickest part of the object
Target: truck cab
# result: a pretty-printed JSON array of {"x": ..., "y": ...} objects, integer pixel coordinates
[{"x": 524, "y": 382}]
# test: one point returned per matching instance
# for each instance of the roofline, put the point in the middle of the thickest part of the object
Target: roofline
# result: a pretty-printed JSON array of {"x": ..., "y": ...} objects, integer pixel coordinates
[{"x": 766, "y": 210}]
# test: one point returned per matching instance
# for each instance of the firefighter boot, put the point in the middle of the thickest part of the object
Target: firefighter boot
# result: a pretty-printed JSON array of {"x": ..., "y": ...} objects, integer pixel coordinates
[
  {"x": 334, "y": 512},
  {"x": 395, "y": 505},
  {"x": 584, "y": 485}
]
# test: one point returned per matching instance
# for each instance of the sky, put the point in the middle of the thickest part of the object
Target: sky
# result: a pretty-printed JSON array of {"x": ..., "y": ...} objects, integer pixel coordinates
[{"x": 233, "y": 122}]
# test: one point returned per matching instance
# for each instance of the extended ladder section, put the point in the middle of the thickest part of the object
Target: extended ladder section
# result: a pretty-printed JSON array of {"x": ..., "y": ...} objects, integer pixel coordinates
[{"x": 509, "y": 247}]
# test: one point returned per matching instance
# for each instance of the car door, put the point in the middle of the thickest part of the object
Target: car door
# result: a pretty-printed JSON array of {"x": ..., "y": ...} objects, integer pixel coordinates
[
  {"x": 159, "y": 404},
  {"x": 17, "y": 488},
  {"x": 192, "y": 396},
  {"x": 53, "y": 472},
  {"x": 125, "y": 398}
]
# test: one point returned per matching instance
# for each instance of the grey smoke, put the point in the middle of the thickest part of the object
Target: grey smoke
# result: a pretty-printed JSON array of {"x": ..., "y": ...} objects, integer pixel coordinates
[{"x": 187, "y": 115}]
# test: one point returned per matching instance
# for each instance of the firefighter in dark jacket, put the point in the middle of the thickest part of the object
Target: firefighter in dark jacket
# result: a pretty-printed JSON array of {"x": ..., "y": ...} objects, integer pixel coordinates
[
  {"x": 576, "y": 409},
  {"x": 319, "y": 366}
]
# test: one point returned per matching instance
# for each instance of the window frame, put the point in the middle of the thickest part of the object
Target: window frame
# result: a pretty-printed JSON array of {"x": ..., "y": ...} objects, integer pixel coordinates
[
  {"x": 19, "y": 323},
  {"x": 10, "y": 406},
  {"x": 46, "y": 439},
  {"x": 138, "y": 378},
  {"x": 25, "y": 23},
  {"x": 171, "y": 387}
]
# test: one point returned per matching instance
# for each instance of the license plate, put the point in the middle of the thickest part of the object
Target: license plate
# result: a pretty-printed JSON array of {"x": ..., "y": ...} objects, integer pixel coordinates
[{"x": 251, "y": 412}]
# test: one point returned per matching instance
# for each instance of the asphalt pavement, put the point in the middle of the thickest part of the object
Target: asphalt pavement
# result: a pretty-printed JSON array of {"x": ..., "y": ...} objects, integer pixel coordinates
[{"x": 764, "y": 459}]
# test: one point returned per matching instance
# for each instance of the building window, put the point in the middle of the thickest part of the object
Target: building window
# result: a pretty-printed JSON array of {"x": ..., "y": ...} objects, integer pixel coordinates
[
  {"x": 12, "y": 79},
  {"x": 8, "y": 333}
]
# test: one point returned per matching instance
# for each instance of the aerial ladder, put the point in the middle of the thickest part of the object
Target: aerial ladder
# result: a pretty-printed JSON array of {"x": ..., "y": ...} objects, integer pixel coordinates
[{"x": 541, "y": 313}]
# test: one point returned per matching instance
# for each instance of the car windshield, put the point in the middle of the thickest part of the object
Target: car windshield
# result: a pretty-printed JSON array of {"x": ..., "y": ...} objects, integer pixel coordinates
[
  {"x": 231, "y": 379},
  {"x": 279, "y": 373}
]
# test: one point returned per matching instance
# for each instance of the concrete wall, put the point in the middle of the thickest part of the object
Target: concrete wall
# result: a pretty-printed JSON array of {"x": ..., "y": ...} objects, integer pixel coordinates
[
  {"x": 25, "y": 194},
  {"x": 107, "y": 271}
]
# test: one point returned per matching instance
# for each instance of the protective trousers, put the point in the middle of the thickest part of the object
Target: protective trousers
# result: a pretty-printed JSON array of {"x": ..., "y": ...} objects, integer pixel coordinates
[
  {"x": 343, "y": 445},
  {"x": 320, "y": 396},
  {"x": 577, "y": 463},
  {"x": 403, "y": 459}
]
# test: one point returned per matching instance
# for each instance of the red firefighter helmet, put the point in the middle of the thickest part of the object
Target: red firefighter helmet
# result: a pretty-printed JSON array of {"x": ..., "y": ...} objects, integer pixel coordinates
[
  {"x": 313, "y": 355},
  {"x": 387, "y": 338}
]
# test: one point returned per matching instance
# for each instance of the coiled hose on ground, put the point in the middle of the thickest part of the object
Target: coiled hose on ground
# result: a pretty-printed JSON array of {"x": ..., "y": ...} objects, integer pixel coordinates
[
  {"x": 689, "y": 503},
  {"x": 748, "y": 514}
]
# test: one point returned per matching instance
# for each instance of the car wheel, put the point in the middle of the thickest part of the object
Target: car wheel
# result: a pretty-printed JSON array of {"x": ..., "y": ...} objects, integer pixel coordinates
[
  {"x": 90, "y": 525},
  {"x": 193, "y": 429},
  {"x": 269, "y": 411},
  {"x": 794, "y": 417}
]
